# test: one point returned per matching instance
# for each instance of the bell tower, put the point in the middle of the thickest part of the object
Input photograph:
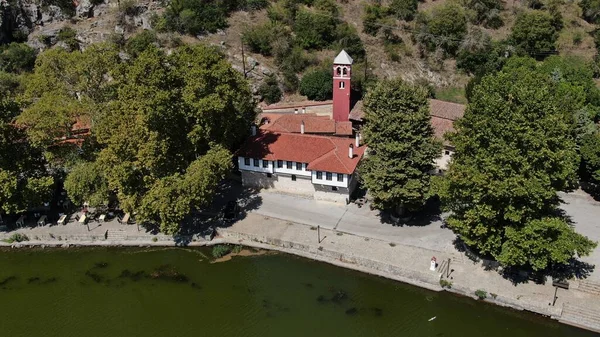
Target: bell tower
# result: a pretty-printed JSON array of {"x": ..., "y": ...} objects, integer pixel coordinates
[{"x": 342, "y": 71}]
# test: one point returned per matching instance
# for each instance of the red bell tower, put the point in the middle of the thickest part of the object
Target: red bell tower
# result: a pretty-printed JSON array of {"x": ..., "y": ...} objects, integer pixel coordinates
[{"x": 342, "y": 71}]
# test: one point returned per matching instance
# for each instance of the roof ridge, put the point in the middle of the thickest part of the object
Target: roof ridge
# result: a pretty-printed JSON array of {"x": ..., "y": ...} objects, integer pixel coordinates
[
  {"x": 336, "y": 155},
  {"x": 443, "y": 117}
]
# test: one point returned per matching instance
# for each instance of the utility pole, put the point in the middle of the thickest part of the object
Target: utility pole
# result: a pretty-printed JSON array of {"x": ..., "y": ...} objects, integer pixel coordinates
[
  {"x": 319, "y": 233},
  {"x": 243, "y": 57},
  {"x": 366, "y": 66}
]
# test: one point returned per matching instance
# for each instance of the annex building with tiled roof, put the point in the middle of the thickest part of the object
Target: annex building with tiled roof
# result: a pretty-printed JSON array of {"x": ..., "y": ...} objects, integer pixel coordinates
[{"x": 443, "y": 115}]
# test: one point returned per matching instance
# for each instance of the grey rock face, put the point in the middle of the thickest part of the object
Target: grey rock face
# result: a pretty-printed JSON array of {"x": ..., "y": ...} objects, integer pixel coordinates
[{"x": 85, "y": 9}]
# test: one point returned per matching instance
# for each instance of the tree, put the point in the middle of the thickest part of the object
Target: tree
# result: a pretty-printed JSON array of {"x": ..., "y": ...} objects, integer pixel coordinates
[
  {"x": 24, "y": 179},
  {"x": 590, "y": 10},
  {"x": 372, "y": 17},
  {"x": 534, "y": 33},
  {"x": 138, "y": 43},
  {"x": 172, "y": 198},
  {"x": 514, "y": 150},
  {"x": 317, "y": 84},
  {"x": 314, "y": 29},
  {"x": 590, "y": 159},
  {"x": 17, "y": 57},
  {"x": 401, "y": 142},
  {"x": 444, "y": 27},
  {"x": 269, "y": 90},
  {"x": 485, "y": 12},
  {"x": 347, "y": 39},
  {"x": 169, "y": 113},
  {"x": 86, "y": 183},
  {"x": 404, "y": 9}
]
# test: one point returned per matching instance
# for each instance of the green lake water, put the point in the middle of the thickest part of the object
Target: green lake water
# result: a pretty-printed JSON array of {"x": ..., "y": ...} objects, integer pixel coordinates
[{"x": 113, "y": 292}]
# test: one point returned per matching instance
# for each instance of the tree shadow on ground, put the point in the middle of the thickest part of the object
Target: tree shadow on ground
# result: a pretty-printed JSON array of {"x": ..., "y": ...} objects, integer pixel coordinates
[
  {"x": 592, "y": 189},
  {"x": 431, "y": 212},
  {"x": 201, "y": 224},
  {"x": 573, "y": 269}
]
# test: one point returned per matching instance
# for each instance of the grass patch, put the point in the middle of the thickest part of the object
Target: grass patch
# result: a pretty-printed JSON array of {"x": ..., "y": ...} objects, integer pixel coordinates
[
  {"x": 481, "y": 294},
  {"x": 221, "y": 250},
  {"x": 451, "y": 94},
  {"x": 445, "y": 284},
  {"x": 17, "y": 237}
]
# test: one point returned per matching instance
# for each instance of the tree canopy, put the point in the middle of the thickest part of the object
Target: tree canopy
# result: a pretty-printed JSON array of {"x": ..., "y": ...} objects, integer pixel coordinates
[
  {"x": 535, "y": 33},
  {"x": 514, "y": 151},
  {"x": 444, "y": 27},
  {"x": 162, "y": 126},
  {"x": 24, "y": 179},
  {"x": 401, "y": 142}
]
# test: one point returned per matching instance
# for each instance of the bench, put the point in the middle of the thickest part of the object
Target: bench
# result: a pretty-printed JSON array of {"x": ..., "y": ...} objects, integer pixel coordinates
[{"x": 42, "y": 221}]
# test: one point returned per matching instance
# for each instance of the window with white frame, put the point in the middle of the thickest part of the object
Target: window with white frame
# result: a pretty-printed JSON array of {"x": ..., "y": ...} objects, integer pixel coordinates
[
  {"x": 265, "y": 163},
  {"x": 280, "y": 164},
  {"x": 319, "y": 175},
  {"x": 288, "y": 164},
  {"x": 247, "y": 161},
  {"x": 340, "y": 177},
  {"x": 342, "y": 85},
  {"x": 328, "y": 176},
  {"x": 256, "y": 162},
  {"x": 299, "y": 166}
]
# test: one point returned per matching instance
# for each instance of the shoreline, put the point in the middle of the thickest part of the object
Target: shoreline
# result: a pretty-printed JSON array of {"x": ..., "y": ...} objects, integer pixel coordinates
[
  {"x": 367, "y": 255},
  {"x": 414, "y": 281}
]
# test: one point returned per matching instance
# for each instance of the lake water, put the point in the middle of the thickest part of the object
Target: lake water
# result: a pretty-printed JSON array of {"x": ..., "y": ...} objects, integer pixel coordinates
[{"x": 113, "y": 292}]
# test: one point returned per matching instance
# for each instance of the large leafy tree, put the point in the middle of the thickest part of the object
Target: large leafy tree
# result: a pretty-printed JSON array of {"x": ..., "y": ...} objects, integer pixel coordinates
[
  {"x": 173, "y": 116},
  {"x": 401, "y": 142},
  {"x": 535, "y": 33},
  {"x": 514, "y": 150},
  {"x": 24, "y": 180},
  {"x": 444, "y": 27}
]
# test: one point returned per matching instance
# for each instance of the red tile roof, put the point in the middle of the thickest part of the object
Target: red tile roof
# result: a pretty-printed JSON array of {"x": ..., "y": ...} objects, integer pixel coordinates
[
  {"x": 448, "y": 110},
  {"x": 290, "y": 123},
  {"x": 323, "y": 153},
  {"x": 443, "y": 109},
  {"x": 299, "y": 105}
]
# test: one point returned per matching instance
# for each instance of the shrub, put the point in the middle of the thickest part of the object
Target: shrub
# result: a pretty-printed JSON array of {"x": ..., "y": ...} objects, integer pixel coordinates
[
  {"x": 198, "y": 16},
  {"x": 269, "y": 90},
  {"x": 404, "y": 9},
  {"x": 237, "y": 249},
  {"x": 221, "y": 250},
  {"x": 68, "y": 35},
  {"x": 481, "y": 294},
  {"x": 444, "y": 27},
  {"x": 445, "y": 284},
  {"x": 317, "y": 84},
  {"x": 154, "y": 239},
  {"x": 17, "y": 237},
  {"x": 372, "y": 17},
  {"x": 140, "y": 42},
  {"x": 485, "y": 12},
  {"x": 347, "y": 38},
  {"x": 577, "y": 38},
  {"x": 534, "y": 33},
  {"x": 259, "y": 38},
  {"x": 295, "y": 60},
  {"x": 253, "y": 5},
  {"x": 590, "y": 10},
  {"x": 314, "y": 29},
  {"x": 290, "y": 82},
  {"x": 17, "y": 57}
]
